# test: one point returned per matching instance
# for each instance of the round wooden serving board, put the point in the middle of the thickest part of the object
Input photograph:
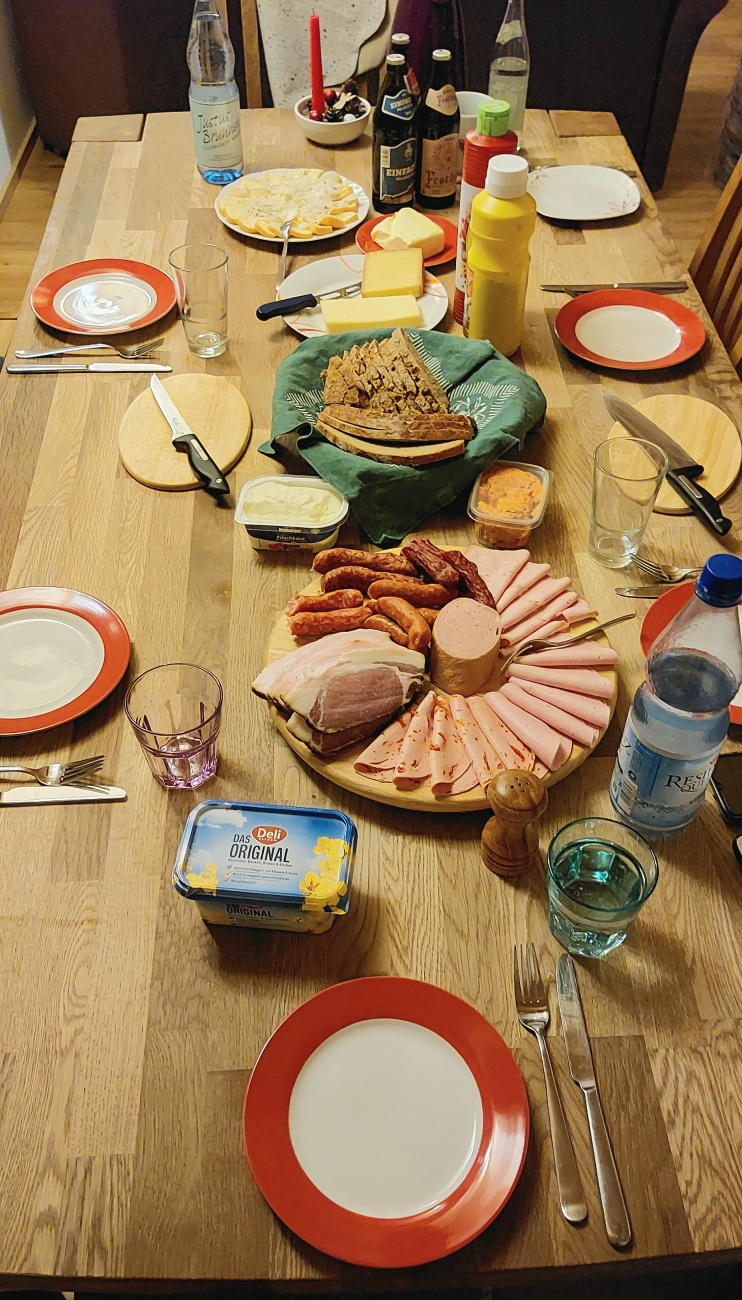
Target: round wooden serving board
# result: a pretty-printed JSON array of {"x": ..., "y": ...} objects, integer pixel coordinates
[
  {"x": 340, "y": 770},
  {"x": 216, "y": 412},
  {"x": 705, "y": 432}
]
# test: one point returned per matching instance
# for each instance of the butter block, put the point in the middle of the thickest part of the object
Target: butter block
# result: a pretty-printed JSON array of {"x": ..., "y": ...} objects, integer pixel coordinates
[
  {"x": 383, "y": 234},
  {"x": 389, "y": 274},
  {"x": 370, "y": 313},
  {"x": 417, "y": 231}
]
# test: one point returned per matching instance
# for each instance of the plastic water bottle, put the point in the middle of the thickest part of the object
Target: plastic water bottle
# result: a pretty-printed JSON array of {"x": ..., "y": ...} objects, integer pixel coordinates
[
  {"x": 214, "y": 98},
  {"x": 511, "y": 64},
  {"x": 680, "y": 714}
]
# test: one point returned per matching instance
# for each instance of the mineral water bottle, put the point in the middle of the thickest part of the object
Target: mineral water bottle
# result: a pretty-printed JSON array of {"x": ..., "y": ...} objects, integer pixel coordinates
[
  {"x": 214, "y": 98},
  {"x": 511, "y": 64},
  {"x": 680, "y": 714}
]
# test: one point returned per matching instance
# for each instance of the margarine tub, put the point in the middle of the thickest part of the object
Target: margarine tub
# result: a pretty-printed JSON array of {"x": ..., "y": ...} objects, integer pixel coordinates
[
  {"x": 266, "y": 867},
  {"x": 283, "y": 511}
]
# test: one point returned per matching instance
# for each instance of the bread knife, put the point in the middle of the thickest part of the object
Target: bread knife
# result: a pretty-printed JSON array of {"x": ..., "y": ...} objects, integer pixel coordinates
[
  {"x": 184, "y": 439},
  {"x": 36, "y": 794}
]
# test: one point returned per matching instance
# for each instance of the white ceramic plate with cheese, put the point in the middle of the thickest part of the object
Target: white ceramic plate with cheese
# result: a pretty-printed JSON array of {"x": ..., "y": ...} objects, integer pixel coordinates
[
  {"x": 361, "y": 213},
  {"x": 338, "y": 272}
]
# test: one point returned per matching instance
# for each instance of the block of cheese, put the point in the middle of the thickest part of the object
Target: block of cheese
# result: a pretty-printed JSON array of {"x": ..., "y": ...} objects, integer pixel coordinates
[
  {"x": 409, "y": 229},
  {"x": 369, "y": 313},
  {"x": 387, "y": 274}
]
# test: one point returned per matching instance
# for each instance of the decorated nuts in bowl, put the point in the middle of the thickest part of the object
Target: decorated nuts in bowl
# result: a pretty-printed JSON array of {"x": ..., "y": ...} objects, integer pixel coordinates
[{"x": 344, "y": 117}]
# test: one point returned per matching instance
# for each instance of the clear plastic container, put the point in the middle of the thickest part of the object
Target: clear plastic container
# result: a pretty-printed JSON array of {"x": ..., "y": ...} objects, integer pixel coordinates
[
  {"x": 288, "y": 511},
  {"x": 503, "y": 520}
]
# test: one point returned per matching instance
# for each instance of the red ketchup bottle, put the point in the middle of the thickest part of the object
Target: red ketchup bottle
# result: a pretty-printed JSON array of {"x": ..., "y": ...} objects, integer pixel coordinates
[{"x": 490, "y": 138}]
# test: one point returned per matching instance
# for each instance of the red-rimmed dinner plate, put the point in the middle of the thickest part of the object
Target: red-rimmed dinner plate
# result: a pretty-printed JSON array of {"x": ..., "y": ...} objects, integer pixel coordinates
[
  {"x": 366, "y": 242},
  {"x": 386, "y": 1122},
  {"x": 103, "y": 295},
  {"x": 629, "y": 329},
  {"x": 61, "y": 653},
  {"x": 657, "y": 618}
]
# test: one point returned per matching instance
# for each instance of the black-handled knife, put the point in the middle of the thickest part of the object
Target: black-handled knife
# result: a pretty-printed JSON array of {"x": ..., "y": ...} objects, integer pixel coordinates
[
  {"x": 682, "y": 473},
  {"x": 284, "y": 306},
  {"x": 185, "y": 440}
]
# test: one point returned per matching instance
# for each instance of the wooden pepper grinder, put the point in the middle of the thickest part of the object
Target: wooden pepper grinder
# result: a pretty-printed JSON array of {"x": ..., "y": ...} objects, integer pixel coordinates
[{"x": 510, "y": 838}]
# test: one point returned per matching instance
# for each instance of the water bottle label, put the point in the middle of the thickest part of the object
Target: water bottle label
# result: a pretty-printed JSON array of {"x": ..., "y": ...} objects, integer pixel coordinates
[
  {"x": 397, "y": 171},
  {"x": 216, "y": 131},
  {"x": 647, "y": 785},
  {"x": 399, "y": 105}
]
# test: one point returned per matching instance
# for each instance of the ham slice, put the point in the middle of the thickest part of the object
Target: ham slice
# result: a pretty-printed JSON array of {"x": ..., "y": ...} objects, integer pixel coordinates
[
  {"x": 596, "y": 713},
  {"x": 539, "y": 597},
  {"x": 580, "y": 611},
  {"x": 585, "y": 681},
  {"x": 413, "y": 765},
  {"x": 565, "y": 723},
  {"x": 586, "y": 654},
  {"x": 540, "y": 770},
  {"x": 556, "y": 628},
  {"x": 383, "y": 752},
  {"x": 508, "y": 748},
  {"x": 498, "y": 568},
  {"x": 483, "y": 757},
  {"x": 547, "y": 744},
  {"x": 529, "y": 575},
  {"x": 533, "y": 625},
  {"x": 448, "y": 758}
]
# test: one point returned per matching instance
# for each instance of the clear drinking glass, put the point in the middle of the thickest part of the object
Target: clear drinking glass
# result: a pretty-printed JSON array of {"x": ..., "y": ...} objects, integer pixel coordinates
[
  {"x": 200, "y": 276},
  {"x": 599, "y": 874},
  {"x": 627, "y": 475},
  {"x": 176, "y": 713}
]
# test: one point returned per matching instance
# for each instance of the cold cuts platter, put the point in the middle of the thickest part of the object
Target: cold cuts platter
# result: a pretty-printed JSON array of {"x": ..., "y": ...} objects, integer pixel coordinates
[{"x": 399, "y": 678}]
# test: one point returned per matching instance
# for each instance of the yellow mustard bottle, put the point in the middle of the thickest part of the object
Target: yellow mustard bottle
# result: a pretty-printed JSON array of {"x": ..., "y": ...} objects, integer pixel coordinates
[{"x": 503, "y": 218}]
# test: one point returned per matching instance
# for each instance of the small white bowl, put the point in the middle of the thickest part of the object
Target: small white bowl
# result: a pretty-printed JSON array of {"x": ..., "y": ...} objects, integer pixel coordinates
[{"x": 331, "y": 133}]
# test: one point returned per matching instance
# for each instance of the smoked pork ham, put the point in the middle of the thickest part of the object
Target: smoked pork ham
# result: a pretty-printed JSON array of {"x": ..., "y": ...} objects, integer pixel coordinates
[
  {"x": 585, "y": 681},
  {"x": 595, "y": 712},
  {"x": 465, "y": 646},
  {"x": 498, "y": 568},
  {"x": 547, "y": 744},
  {"x": 565, "y": 723},
  {"x": 586, "y": 654}
]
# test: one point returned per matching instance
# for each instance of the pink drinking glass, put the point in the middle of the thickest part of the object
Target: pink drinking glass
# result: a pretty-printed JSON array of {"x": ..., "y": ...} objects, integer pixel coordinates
[{"x": 176, "y": 713}]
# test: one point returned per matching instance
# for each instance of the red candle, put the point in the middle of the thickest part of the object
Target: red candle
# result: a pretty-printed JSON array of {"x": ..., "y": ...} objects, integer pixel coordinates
[{"x": 315, "y": 65}]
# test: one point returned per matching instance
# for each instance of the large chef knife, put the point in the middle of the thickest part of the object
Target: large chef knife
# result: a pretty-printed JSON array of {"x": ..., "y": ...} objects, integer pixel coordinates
[
  {"x": 681, "y": 473},
  {"x": 185, "y": 440},
  {"x": 581, "y": 1067},
  {"x": 68, "y": 793}
]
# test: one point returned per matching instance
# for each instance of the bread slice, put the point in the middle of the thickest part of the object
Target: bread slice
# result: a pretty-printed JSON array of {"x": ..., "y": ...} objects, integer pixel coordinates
[
  {"x": 386, "y": 375},
  {"x": 407, "y": 426},
  {"x": 389, "y": 454}
]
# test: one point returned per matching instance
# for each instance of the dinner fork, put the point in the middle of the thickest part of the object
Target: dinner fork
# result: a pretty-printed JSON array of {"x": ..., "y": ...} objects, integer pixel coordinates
[
  {"x": 129, "y": 351},
  {"x": 664, "y": 572},
  {"x": 75, "y": 773},
  {"x": 284, "y": 232},
  {"x": 538, "y": 643},
  {"x": 533, "y": 1013}
]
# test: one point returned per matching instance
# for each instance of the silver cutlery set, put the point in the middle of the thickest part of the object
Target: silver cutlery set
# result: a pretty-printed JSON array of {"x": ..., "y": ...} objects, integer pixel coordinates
[
  {"x": 59, "y": 783},
  {"x": 532, "y": 1006},
  {"x": 662, "y": 575},
  {"x": 135, "y": 358}
]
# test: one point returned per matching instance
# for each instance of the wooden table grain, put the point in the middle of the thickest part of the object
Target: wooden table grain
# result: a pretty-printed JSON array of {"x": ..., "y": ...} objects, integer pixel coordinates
[{"x": 127, "y": 1028}]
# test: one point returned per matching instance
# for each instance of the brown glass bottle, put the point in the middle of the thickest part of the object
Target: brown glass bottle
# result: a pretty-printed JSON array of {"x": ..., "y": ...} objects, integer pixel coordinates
[
  {"x": 395, "y": 140},
  {"x": 401, "y": 45},
  {"x": 438, "y": 148}
]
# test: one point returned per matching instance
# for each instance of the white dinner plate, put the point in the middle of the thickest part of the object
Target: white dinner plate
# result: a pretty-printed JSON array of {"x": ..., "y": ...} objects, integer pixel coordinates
[
  {"x": 583, "y": 193},
  {"x": 360, "y": 193},
  {"x": 334, "y": 273},
  {"x": 48, "y": 657}
]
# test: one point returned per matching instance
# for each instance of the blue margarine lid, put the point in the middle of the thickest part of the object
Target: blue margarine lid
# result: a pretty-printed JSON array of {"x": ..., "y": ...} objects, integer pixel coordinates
[{"x": 720, "y": 583}]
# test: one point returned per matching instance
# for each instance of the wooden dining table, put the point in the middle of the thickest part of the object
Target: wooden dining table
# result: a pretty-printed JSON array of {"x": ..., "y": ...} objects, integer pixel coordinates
[{"x": 128, "y": 1028}]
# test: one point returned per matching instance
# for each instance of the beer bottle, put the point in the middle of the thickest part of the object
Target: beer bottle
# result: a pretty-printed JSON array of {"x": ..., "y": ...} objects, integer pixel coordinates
[
  {"x": 401, "y": 45},
  {"x": 395, "y": 141},
  {"x": 438, "y": 142}
]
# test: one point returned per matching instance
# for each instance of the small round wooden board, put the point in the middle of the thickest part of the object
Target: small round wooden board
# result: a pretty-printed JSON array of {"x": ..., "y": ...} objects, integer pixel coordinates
[
  {"x": 340, "y": 770},
  {"x": 216, "y": 412},
  {"x": 705, "y": 432}
]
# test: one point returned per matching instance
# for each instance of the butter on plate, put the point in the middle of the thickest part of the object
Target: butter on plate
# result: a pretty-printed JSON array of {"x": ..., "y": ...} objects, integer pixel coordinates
[
  {"x": 409, "y": 229},
  {"x": 370, "y": 313}
]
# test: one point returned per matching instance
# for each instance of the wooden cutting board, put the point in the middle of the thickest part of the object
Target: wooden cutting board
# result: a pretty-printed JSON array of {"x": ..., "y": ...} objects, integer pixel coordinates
[
  {"x": 216, "y": 412},
  {"x": 707, "y": 434}
]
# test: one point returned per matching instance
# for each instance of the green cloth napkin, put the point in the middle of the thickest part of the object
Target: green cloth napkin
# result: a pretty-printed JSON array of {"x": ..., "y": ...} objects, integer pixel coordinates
[{"x": 391, "y": 501}]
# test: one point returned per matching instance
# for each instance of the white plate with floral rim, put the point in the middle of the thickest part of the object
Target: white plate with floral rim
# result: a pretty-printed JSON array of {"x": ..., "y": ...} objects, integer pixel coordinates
[
  {"x": 583, "y": 193},
  {"x": 330, "y": 273}
]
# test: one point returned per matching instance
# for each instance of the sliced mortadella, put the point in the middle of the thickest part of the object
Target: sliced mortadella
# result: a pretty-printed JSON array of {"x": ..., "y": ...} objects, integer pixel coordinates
[
  {"x": 596, "y": 713},
  {"x": 509, "y": 749},
  {"x": 467, "y": 781},
  {"x": 413, "y": 765},
  {"x": 580, "y": 611},
  {"x": 539, "y": 597},
  {"x": 585, "y": 681},
  {"x": 565, "y": 723},
  {"x": 498, "y": 568},
  {"x": 448, "y": 757},
  {"x": 532, "y": 626},
  {"x": 540, "y": 770},
  {"x": 483, "y": 757},
  {"x": 586, "y": 654},
  {"x": 384, "y": 751},
  {"x": 529, "y": 575},
  {"x": 547, "y": 744}
]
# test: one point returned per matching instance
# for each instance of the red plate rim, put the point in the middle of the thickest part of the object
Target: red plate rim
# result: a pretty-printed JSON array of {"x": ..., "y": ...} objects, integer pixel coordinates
[
  {"x": 116, "y": 651},
  {"x": 360, "y": 1239},
  {"x": 43, "y": 292},
  {"x": 657, "y": 618},
  {"x": 367, "y": 244},
  {"x": 693, "y": 330}
]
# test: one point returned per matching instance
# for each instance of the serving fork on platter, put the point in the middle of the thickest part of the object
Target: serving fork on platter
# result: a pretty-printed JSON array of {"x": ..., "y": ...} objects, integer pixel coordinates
[{"x": 539, "y": 643}]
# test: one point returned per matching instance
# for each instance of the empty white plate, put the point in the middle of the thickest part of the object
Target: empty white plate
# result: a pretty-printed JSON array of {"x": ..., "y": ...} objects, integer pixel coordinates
[
  {"x": 622, "y": 332},
  {"x": 48, "y": 657},
  {"x": 583, "y": 193},
  {"x": 111, "y": 300}
]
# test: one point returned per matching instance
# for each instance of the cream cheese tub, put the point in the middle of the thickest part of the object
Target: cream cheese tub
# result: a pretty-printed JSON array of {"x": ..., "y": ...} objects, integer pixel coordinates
[
  {"x": 285, "y": 511},
  {"x": 266, "y": 867}
]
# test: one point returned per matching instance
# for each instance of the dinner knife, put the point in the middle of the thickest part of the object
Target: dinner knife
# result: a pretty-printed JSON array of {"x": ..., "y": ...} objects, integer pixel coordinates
[
  {"x": 35, "y": 794},
  {"x": 184, "y": 439},
  {"x": 90, "y": 367},
  {"x": 285, "y": 306},
  {"x": 653, "y": 286},
  {"x": 649, "y": 592},
  {"x": 581, "y": 1067},
  {"x": 681, "y": 473}
]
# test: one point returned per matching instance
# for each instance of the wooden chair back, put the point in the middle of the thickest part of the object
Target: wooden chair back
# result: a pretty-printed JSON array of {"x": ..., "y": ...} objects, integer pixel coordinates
[
  {"x": 717, "y": 267},
  {"x": 251, "y": 52}
]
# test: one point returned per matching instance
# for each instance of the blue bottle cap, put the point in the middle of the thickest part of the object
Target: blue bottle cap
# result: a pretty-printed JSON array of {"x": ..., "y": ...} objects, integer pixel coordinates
[{"x": 720, "y": 583}]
